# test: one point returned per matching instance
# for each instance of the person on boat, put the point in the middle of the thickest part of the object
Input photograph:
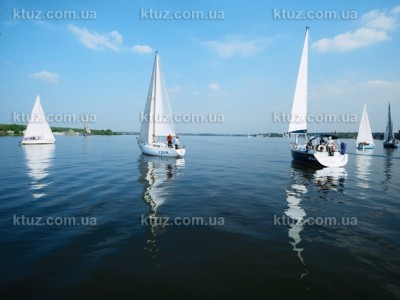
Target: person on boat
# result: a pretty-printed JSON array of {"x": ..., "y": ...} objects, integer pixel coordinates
[
  {"x": 331, "y": 146},
  {"x": 321, "y": 147},
  {"x": 176, "y": 142},
  {"x": 309, "y": 145},
  {"x": 169, "y": 139}
]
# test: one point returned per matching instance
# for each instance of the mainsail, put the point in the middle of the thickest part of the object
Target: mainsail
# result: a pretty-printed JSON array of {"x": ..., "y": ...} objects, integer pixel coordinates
[
  {"x": 364, "y": 131},
  {"x": 389, "y": 127},
  {"x": 38, "y": 130},
  {"x": 157, "y": 119},
  {"x": 298, "y": 117}
]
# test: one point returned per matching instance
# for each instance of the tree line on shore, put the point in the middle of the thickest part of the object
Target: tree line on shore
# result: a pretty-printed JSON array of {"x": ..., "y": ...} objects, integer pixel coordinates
[{"x": 16, "y": 129}]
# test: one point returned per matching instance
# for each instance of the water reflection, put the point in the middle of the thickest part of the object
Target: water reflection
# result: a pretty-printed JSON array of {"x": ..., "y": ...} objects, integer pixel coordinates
[
  {"x": 303, "y": 182},
  {"x": 294, "y": 195},
  {"x": 332, "y": 179},
  {"x": 39, "y": 159},
  {"x": 157, "y": 175},
  {"x": 363, "y": 163},
  {"x": 387, "y": 167}
]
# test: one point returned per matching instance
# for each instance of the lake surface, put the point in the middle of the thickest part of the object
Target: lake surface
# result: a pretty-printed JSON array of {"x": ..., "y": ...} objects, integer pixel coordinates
[{"x": 234, "y": 219}]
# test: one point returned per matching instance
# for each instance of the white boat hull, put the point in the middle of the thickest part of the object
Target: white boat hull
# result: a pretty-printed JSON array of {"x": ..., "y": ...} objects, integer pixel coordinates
[
  {"x": 319, "y": 158},
  {"x": 37, "y": 142},
  {"x": 337, "y": 160},
  {"x": 161, "y": 149},
  {"x": 365, "y": 147}
]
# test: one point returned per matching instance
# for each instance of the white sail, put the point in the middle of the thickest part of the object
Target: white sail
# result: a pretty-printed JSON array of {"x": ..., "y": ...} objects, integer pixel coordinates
[
  {"x": 298, "y": 117},
  {"x": 364, "y": 131},
  {"x": 157, "y": 117},
  {"x": 389, "y": 127},
  {"x": 38, "y": 130}
]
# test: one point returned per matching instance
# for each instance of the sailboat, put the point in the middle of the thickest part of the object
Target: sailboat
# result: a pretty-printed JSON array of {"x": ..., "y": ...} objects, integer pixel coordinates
[
  {"x": 390, "y": 141},
  {"x": 305, "y": 149},
  {"x": 158, "y": 120},
  {"x": 38, "y": 130},
  {"x": 86, "y": 130},
  {"x": 364, "y": 137}
]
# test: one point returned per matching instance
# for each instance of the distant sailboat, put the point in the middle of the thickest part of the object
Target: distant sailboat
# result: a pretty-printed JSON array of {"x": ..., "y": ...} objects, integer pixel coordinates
[
  {"x": 308, "y": 150},
  {"x": 86, "y": 130},
  {"x": 364, "y": 137},
  {"x": 390, "y": 141},
  {"x": 38, "y": 130},
  {"x": 158, "y": 120}
]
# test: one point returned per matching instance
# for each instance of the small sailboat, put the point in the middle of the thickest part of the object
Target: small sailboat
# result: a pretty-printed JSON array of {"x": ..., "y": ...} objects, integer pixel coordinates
[
  {"x": 364, "y": 137},
  {"x": 390, "y": 141},
  {"x": 86, "y": 130},
  {"x": 328, "y": 153},
  {"x": 158, "y": 128},
  {"x": 38, "y": 130}
]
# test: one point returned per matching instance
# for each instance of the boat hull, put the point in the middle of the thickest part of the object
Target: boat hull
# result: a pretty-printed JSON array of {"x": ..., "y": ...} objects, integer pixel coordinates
[
  {"x": 362, "y": 147},
  {"x": 320, "y": 158},
  {"x": 305, "y": 157},
  {"x": 390, "y": 145},
  {"x": 37, "y": 142},
  {"x": 161, "y": 150}
]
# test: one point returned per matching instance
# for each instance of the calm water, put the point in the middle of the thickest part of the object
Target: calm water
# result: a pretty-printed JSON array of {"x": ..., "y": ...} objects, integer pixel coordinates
[{"x": 246, "y": 192}]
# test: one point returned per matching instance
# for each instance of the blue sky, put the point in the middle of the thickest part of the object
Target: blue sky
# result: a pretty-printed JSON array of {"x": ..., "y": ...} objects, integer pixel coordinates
[{"x": 242, "y": 65}]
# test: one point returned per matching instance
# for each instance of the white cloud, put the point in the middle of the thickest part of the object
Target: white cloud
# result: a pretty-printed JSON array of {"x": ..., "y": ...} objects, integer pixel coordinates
[
  {"x": 236, "y": 45},
  {"x": 45, "y": 76},
  {"x": 97, "y": 41},
  {"x": 396, "y": 10},
  {"x": 175, "y": 89},
  {"x": 349, "y": 41},
  {"x": 379, "y": 20},
  {"x": 142, "y": 49},
  {"x": 112, "y": 40},
  {"x": 376, "y": 25},
  {"x": 380, "y": 84},
  {"x": 214, "y": 87}
]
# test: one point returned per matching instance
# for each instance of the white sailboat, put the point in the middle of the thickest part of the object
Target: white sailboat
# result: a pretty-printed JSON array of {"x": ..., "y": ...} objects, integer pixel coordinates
[
  {"x": 86, "y": 130},
  {"x": 389, "y": 140},
  {"x": 364, "y": 137},
  {"x": 38, "y": 130},
  {"x": 158, "y": 123},
  {"x": 308, "y": 150}
]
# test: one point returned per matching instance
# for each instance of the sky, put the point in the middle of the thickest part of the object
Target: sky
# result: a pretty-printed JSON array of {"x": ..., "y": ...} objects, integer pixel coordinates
[{"x": 230, "y": 66}]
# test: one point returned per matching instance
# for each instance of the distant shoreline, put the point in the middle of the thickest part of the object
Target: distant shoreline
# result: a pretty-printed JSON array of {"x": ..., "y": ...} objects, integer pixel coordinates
[{"x": 17, "y": 130}]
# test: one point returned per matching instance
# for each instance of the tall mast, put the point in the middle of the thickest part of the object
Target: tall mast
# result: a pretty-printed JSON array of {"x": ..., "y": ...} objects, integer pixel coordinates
[{"x": 154, "y": 96}]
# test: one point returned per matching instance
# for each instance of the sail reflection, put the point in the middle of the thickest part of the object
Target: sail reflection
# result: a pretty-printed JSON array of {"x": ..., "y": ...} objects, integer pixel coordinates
[
  {"x": 304, "y": 182},
  {"x": 294, "y": 195},
  {"x": 39, "y": 159},
  {"x": 363, "y": 163},
  {"x": 387, "y": 168},
  {"x": 156, "y": 175}
]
